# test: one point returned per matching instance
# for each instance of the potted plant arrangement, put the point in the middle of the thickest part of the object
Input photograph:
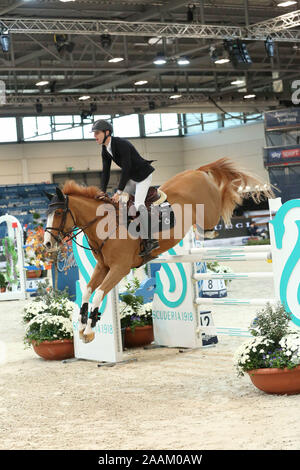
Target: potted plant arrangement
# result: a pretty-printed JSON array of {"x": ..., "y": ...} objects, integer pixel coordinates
[
  {"x": 48, "y": 324},
  {"x": 272, "y": 356},
  {"x": 3, "y": 283},
  {"x": 136, "y": 317}
]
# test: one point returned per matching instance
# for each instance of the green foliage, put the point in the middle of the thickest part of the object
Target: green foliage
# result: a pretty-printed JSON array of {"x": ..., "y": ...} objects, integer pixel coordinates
[
  {"x": 271, "y": 322},
  {"x": 273, "y": 344},
  {"x": 133, "y": 312},
  {"x": 3, "y": 282}
]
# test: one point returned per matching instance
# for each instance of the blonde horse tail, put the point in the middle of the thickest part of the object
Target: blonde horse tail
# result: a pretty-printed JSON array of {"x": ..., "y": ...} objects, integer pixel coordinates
[{"x": 235, "y": 184}]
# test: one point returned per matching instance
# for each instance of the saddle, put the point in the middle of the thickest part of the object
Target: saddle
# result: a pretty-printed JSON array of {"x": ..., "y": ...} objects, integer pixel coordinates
[{"x": 154, "y": 197}]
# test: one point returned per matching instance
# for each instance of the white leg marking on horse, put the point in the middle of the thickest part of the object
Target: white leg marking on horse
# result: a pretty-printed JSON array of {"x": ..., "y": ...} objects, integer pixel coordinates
[
  {"x": 88, "y": 329},
  {"x": 85, "y": 298},
  {"x": 98, "y": 297},
  {"x": 96, "y": 304}
]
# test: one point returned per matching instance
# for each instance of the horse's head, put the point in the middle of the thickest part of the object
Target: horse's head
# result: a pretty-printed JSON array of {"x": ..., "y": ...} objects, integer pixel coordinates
[{"x": 60, "y": 221}]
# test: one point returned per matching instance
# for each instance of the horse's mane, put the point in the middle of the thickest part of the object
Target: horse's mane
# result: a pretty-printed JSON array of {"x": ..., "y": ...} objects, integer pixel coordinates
[{"x": 71, "y": 188}]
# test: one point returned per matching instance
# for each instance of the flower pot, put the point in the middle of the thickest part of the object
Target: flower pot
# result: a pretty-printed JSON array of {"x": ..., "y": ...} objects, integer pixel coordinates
[
  {"x": 55, "y": 350},
  {"x": 142, "y": 336},
  {"x": 2, "y": 289},
  {"x": 33, "y": 273},
  {"x": 278, "y": 381}
]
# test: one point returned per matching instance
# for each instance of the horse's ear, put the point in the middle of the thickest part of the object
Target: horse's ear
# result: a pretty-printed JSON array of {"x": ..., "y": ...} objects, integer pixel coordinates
[
  {"x": 49, "y": 196},
  {"x": 60, "y": 194}
]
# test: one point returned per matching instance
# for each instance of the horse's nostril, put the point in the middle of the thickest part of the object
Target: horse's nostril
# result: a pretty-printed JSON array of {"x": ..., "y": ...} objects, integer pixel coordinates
[{"x": 48, "y": 245}]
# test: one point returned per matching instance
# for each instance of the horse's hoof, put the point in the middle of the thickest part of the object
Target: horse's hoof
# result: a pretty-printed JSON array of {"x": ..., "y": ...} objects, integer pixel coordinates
[
  {"x": 81, "y": 335},
  {"x": 89, "y": 337}
]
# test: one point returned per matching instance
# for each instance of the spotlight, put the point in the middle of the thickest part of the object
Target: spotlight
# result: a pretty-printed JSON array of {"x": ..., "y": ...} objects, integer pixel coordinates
[
  {"x": 52, "y": 86},
  {"x": 269, "y": 46},
  {"x": 105, "y": 40},
  {"x": 5, "y": 40},
  {"x": 39, "y": 107},
  {"x": 238, "y": 53},
  {"x": 160, "y": 59},
  {"x": 151, "y": 105},
  {"x": 190, "y": 13},
  {"x": 93, "y": 107}
]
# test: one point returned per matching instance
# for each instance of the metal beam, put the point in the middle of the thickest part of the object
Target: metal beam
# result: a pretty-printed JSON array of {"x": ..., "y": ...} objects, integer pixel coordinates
[{"x": 278, "y": 27}]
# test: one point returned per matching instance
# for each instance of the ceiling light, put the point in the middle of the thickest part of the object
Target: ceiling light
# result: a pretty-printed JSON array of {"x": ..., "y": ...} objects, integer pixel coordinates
[
  {"x": 222, "y": 61},
  {"x": 175, "y": 97},
  {"x": 116, "y": 59},
  {"x": 84, "y": 97},
  {"x": 183, "y": 61},
  {"x": 238, "y": 82},
  {"x": 42, "y": 83},
  {"x": 141, "y": 82},
  {"x": 160, "y": 59},
  {"x": 286, "y": 4},
  {"x": 249, "y": 96}
]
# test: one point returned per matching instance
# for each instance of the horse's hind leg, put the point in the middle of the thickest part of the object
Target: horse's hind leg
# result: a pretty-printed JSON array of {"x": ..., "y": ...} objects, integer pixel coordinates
[{"x": 97, "y": 277}]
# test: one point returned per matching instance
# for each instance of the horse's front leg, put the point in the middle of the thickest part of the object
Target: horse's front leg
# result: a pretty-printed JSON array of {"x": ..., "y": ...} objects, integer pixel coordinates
[
  {"x": 98, "y": 275},
  {"x": 113, "y": 277}
]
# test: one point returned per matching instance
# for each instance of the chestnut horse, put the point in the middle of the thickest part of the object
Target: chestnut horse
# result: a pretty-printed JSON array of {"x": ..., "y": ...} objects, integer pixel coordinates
[{"x": 217, "y": 186}]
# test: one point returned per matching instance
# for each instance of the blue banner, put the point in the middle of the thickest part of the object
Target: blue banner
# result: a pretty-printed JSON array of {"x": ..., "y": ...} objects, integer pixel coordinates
[
  {"x": 282, "y": 118},
  {"x": 287, "y": 154}
]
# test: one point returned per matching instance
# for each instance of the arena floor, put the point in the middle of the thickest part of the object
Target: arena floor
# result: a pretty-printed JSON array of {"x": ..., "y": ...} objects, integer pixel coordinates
[{"x": 165, "y": 400}]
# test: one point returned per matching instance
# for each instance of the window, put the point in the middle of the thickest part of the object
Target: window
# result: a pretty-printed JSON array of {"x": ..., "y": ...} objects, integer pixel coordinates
[
  {"x": 211, "y": 121},
  {"x": 158, "y": 125},
  {"x": 127, "y": 126},
  {"x": 194, "y": 123},
  {"x": 37, "y": 128},
  {"x": 8, "y": 130},
  {"x": 230, "y": 121}
]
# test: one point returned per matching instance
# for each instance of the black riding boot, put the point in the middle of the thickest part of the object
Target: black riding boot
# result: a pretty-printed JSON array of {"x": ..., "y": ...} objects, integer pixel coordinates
[{"x": 145, "y": 229}]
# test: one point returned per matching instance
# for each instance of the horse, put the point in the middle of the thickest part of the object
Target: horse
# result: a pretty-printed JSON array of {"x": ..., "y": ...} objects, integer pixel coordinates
[{"x": 219, "y": 186}]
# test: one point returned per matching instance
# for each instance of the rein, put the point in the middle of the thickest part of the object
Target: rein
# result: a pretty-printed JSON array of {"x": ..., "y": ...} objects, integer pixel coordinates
[{"x": 62, "y": 234}]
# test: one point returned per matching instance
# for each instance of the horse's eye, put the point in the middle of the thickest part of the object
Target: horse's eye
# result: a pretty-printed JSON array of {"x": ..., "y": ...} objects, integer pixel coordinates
[{"x": 59, "y": 212}]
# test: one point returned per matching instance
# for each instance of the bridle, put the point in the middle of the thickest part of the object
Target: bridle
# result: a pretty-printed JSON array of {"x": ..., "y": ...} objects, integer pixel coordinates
[{"x": 69, "y": 235}]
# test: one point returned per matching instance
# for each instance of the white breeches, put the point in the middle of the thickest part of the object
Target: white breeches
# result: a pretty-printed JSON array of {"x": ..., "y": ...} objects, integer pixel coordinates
[{"x": 139, "y": 190}]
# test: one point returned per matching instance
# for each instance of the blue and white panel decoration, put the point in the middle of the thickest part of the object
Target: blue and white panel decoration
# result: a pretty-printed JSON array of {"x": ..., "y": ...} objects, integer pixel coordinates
[
  {"x": 107, "y": 344},
  {"x": 176, "y": 319},
  {"x": 285, "y": 240}
]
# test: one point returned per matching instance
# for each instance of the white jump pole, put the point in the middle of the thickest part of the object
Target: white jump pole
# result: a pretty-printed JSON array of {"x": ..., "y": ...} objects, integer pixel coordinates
[
  {"x": 195, "y": 258},
  {"x": 232, "y": 249},
  {"x": 226, "y": 301},
  {"x": 231, "y": 276}
]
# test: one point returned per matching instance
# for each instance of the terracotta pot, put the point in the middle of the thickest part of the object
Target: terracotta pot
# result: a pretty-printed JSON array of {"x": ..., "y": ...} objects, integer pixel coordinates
[
  {"x": 2, "y": 289},
  {"x": 142, "y": 336},
  {"x": 279, "y": 381},
  {"x": 33, "y": 274},
  {"x": 55, "y": 350}
]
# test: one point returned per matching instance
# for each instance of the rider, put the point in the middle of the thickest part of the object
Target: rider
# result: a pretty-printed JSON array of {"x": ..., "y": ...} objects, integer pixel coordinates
[{"x": 136, "y": 175}]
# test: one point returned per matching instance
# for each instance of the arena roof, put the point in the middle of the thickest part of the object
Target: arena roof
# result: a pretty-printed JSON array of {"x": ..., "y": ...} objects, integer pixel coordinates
[{"x": 70, "y": 44}]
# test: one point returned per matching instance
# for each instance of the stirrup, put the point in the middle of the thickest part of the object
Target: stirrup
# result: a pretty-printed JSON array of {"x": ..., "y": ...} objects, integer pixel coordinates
[{"x": 149, "y": 245}]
